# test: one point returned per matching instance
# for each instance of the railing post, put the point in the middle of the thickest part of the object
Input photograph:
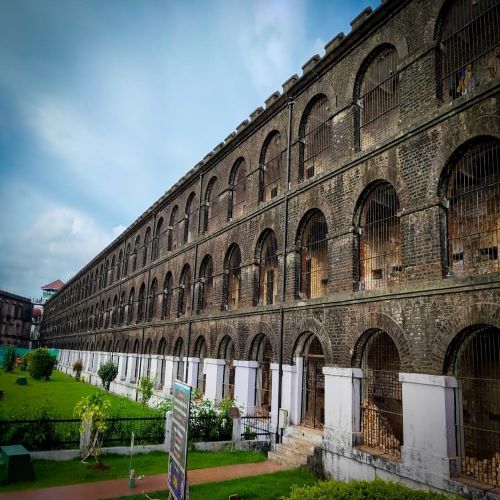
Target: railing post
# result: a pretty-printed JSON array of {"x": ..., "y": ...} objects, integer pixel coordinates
[{"x": 236, "y": 430}]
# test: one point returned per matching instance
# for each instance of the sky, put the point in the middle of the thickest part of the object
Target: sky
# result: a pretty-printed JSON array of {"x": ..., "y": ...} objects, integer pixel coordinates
[{"x": 105, "y": 104}]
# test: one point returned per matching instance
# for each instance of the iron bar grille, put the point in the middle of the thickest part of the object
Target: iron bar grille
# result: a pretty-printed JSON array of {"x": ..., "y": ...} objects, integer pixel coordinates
[
  {"x": 470, "y": 40},
  {"x": 189, "y": 217},
  {"x": 315, "y": 140},
  {"x": 477, "y": 368},
  {"x": 474, "y": 211},
  {"x": 274, "y": 163},
  {"x": 229, "y": 370},
  {"x": 184, "y": 291},
  {"x": 166, "y": 305},
  {"x": 233, "y": 278},
  {"x": 255, "y": 427},
  {"x": 379, "y": 98},
  {"x": 268, "y": 270},
  {"x": 381, "y": 402},
  {"x": 313, "y": 385},
  {"x": 263, "y": 378},
  {"x": 211, "y": 207},
  {"x": 314, "y": 258},
  {"x": 379, "y": 239},
  {"x": 205, "y": 289},
  {"x": 239, "y": 190}
]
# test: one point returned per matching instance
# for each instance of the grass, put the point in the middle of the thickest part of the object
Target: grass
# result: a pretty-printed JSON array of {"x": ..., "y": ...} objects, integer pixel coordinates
[
  {"x": 51, "y": 473},
  {"x": 60, "y": 393},
  {"x": 264, "y": 487}
]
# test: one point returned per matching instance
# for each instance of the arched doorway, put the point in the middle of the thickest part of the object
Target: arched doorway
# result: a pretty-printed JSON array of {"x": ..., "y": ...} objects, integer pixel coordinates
[
  {"x": 226, "y": 352},
  {"x": 263, "y": 354}
]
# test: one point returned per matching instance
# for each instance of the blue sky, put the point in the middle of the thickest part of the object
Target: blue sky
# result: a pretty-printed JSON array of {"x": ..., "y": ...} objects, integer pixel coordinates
[{"x": 104, "y": 104}]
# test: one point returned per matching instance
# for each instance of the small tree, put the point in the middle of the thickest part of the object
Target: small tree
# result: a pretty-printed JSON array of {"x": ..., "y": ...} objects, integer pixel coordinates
[
  {"x": 145, "y": 389},
  {"x": 77, "y": 368},
  {"x": 92, "y": 410},
  {"x": 108, "y": 372},
  {"x": 9, "y": 358},
  {"x": 41, "y": 363}
]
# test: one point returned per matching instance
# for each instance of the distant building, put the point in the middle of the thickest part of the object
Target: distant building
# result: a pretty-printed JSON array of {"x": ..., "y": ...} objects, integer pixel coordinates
[
  {"x": 51, "y": 289},
  {"x": 15, "y": 319}
]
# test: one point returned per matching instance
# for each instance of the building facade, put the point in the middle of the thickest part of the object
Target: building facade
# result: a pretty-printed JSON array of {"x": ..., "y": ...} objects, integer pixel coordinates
[
  {"x": 336, "y": 256},
  {"x": 15, "y": 319}
]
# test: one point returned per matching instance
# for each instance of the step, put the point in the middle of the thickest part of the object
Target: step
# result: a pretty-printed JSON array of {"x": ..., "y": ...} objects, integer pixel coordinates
[
  {"x": 301, "y": 441},
  {"x": 295, "y": 431},
  {"x": 293, "y": 459},
  {"x": 304, "y": 448}
]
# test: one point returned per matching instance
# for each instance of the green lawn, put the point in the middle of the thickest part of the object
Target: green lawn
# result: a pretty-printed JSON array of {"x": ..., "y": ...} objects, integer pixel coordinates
[
  {"x": 265, "y": 487},
  {"x": 61, "y": 393},
  {"x": 50, "y": 473}
]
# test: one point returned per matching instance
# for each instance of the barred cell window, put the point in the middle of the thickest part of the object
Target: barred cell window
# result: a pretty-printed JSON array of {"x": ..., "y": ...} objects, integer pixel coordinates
[
  {"x": 474, "y": 359},
  {"x": 155, "y": 253},
  {"x": 210, "y": 209},
  {"x": 379, "y": 257},
  {"x": 147, "y": 237},
  {"x": 473, "y": 217},
  {"x": 107, "y": 314},
  {"x": 381, "y": 396},
  {"x": 172, "y": 229},
  {"x": 262, "y": 352},
  {"x": 376, "y": 96},
  {"x": 237, "y": 189},
  {"x": 166, "y": 304},
  {"x": 152, "y": 300},
  {"x": 226, "y": 352},
  {"x": 114, "y": 312},
  {"x": 469, "y": 32},
  {"x": 121, "y": 309},
  {"x": 105, "y": 274},
  {"x": 184, "y": 291},
  {"x": 137, "y": 244},
  {"x": 313, "y": 257},
  {"x": 200, "y": 352},
  {"x": 315, "y": 138},
  {"x": 126, "y": 259},
  {"x": 112, "y": 270},
  {"x": 130, "y": 306},
  {"x": 189, "y": 217},
  {"x": 119, "y": 265},
  {"x": 268, "y": 269},
  {"x": 272, "y": 162},
  {"x": 141, "y": 303},
  {"x": 205, "y": 289},
  {"x": 232, "y": 278},
  {"x": 178, "y": 371}
]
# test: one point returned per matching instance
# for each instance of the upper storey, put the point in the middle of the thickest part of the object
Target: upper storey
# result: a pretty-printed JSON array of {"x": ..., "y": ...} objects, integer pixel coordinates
[{"x": 401, "y": 65}]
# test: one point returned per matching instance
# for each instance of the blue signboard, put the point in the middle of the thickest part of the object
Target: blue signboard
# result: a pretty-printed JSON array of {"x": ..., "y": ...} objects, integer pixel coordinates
[{"x": 178, "y": 441}]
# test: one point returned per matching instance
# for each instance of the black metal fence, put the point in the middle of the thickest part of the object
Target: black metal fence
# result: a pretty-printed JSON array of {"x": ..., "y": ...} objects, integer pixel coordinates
[
  {"x": 210, "y": 428},
  {"x": 255, "y": 428}
]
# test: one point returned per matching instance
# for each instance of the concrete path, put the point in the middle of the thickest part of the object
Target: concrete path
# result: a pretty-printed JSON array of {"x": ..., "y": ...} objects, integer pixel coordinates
[{"x": 119, "y": 487}]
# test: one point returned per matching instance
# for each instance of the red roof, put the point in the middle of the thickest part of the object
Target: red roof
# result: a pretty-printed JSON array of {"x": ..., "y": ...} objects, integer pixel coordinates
[{"x": 55, "y": 285}]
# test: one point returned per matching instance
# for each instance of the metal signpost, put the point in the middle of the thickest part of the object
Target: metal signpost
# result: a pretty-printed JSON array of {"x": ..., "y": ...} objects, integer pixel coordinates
[{"x": 177, "y": 461}]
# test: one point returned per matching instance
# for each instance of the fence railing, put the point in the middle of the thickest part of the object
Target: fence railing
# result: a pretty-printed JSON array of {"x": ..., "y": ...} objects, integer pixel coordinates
[{"x": 255, "y": 428}]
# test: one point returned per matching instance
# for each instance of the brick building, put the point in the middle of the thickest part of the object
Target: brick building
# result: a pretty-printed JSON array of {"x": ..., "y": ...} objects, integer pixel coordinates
[
  {"x": 336, "y": 256},
  {"x": 15, "y": 319}
]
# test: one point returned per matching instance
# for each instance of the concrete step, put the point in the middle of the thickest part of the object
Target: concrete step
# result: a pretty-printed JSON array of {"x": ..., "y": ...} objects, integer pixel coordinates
[
  {"x": 293, "y": 459},
  {"x": 289, "y": 448},
  {"x": 305, "y": 433}
]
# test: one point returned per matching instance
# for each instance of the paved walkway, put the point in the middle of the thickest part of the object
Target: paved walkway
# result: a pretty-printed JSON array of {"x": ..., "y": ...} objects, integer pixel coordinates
[{"x": 119, "y": 487}]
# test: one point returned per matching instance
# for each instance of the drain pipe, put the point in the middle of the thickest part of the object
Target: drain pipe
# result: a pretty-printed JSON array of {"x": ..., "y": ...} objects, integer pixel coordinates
[{"x": 283, "y": 276}]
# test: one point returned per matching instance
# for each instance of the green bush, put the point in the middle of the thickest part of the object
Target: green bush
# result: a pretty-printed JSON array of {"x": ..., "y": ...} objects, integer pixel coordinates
[
  {"x": 107, "y": 372},
  {"x": 145, "y": 389},
  {"x": 41, "y": 363},
  {"x": 366, "y": 490},
  {"x": 24, "y": 362},
  {"x": 77, "y": 368},
  {"x": 9, "y": 359}
]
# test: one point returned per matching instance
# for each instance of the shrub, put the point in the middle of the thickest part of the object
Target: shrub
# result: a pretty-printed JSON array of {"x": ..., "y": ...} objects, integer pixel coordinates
[
  {"x": 77, "y": 368},
  {"x": 367, "y": 490},
  {"x": 108, "y": 372},
  {"x": 145, "y": 389},
  {"x": 9, "y": 358},
  {"x": 24, "y": 362},
  {"x": 41, "y": 363}
]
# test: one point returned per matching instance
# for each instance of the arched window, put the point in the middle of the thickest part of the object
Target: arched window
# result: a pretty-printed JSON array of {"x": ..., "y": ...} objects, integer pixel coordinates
[
  {"x": 210, "y": 206},
  {"x": 262, "y": 352},
  {"x": 112, "y": 270},
  {"x": 376, "y": 94},
  {"x": 315, "y": 138},
  {"x": 379, "y": 257},
  {"x": 178, "y": 371},
  {"x": 189, "y": 214},
  {"x": 105, "y": 274},
  {"x": 184, "y": 291},
  {"x": 172, "y": 229},
  {"x": 232, "y": 278},
  {"x": 469, "y": 36},
  {"x": 268, "y": 269},
  {"x": 126, "y": 259},
  {"x": 381, "y": 398},
  {"x": 473, "y": 216},
  {"x": 152, "y": 300},
  {"x": 314, "y": 256},
  {"x": 137, "y": 244},
  {"x": 200, "y": 352},
  {"x": 272, "y": 162},
  {"x": 166, "y": 304},
  {"x": 226, "y": 352},
  {"x": 147, "y": 358},
  {"x": 156, "y": 239},
  {"x": 130, "y": 306},
  {"x": 147, "y": 237},
  {"x": 160, "y": 376},
  {"x": 474, "y": 359},
  {"x": 205, "y": 290},
  {"x": 141, "y": 303},
  {"x": 114, "y": 312},
  {"x": 237, "y": 189},
  {"x": 121, "y": 309},
  {"x": 107, "y": 314},
  {"x": 119, "y": 265}
]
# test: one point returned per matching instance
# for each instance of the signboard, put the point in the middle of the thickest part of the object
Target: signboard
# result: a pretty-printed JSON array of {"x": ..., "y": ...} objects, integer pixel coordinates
[{"x": 181, "y": 403}]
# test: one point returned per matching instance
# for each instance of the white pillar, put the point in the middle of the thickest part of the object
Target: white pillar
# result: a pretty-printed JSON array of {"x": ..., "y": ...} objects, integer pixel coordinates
[
  {"x": 244, "y": 385},
  {"x": 192, "y": 377},
  {"x": 290, "y": 391},
  {"x": 214, "y": 370},
  {"x": 429, "y": 423},
  {"x": 342, "y": 406},
  {"x": 169, "y": 376}
]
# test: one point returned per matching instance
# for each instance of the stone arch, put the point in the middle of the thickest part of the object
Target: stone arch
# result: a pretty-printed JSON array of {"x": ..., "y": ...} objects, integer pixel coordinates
[
  {"x": 194, "y": 344},
  {"x": 262, "y": 328},
  {"x": 306, "y": 327},
  {"x": 227, "y": 330}
]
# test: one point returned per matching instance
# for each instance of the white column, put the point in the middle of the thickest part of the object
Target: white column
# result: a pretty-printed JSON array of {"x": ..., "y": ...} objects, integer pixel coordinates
[
  {"x": 121, "y": 366},
  {"x": 244, "y": 385},
  {"x": 290, "y": 391},
  {"x": 132, "y": 358},
  {"x": 429, "y": 423},
  {"x": 214, "y": 370},
  {"x": 155, "y": 366},
  {"x": 342, "y": 406},
  {"x": 192, "y": 378},
  {"x": 169, "y": 375}
]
